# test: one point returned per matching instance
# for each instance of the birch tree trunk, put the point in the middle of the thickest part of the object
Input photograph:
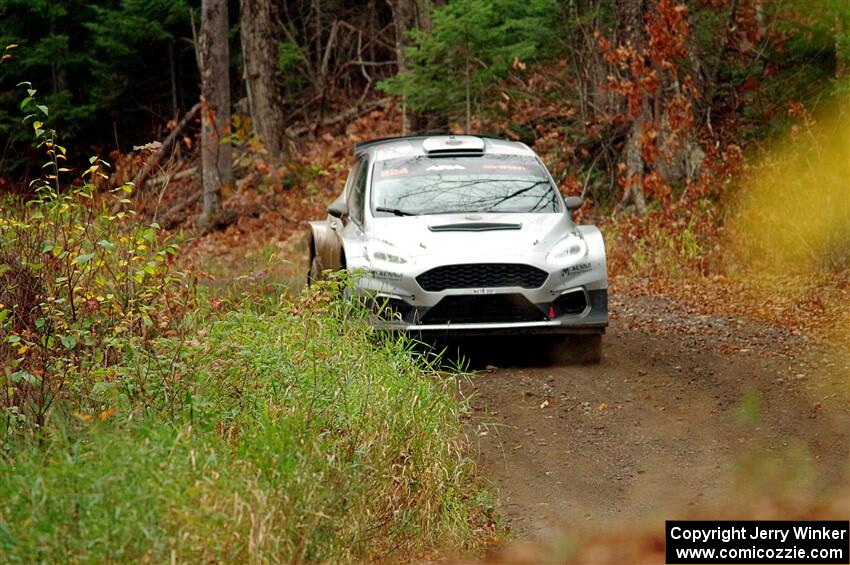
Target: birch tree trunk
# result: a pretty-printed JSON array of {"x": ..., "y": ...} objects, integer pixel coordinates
[
  {"x": 259, "y": 57},
  {"x": 215, "y": 109}
]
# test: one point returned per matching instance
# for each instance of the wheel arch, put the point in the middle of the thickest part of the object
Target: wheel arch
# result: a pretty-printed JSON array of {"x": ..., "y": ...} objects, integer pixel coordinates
[{"x": 324, "y": 245}]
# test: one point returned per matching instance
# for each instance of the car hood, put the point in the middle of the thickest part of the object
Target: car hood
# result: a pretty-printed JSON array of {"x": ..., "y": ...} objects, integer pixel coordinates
[{"x": 480, "y": 233}]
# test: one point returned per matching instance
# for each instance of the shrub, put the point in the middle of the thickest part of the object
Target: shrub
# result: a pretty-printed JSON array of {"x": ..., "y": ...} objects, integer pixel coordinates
[{"x": 78, "y": 284}]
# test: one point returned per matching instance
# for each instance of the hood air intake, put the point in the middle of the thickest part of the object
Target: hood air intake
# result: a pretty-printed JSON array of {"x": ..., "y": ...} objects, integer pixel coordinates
[{"x": 475, "y": 226}]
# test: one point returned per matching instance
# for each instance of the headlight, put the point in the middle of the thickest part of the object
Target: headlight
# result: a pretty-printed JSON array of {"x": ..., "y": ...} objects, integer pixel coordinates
[
  {"x": 568, "y": 251},
  {"x": 381, "y": 252}
]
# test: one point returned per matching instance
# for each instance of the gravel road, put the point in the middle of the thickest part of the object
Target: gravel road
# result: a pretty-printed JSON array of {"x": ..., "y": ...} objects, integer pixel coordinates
[{"x": 686, "y": 414}]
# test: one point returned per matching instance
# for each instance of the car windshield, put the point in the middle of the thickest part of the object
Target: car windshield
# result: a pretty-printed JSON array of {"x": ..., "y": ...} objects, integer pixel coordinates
[{"x": 498, "y": 183}]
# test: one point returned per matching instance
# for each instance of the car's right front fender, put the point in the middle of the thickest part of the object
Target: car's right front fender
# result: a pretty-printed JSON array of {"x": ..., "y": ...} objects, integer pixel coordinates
[{"x": 325, "y": 246}]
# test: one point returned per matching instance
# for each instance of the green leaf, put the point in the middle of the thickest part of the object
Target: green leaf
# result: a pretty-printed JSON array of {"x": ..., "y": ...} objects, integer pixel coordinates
[
  {"x": 106, "y": 245},
  {"x": 69, "y": 341},
  {"x": 83, "y": 259},
  {"x": 19, "y": 376},
  {"x": 43, "y": 108},
  {"x": 101, "y": 387}
]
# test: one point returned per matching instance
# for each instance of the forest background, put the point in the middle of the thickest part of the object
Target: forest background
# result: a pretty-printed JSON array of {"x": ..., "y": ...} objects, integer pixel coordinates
[{"x": 160, "y": 157}]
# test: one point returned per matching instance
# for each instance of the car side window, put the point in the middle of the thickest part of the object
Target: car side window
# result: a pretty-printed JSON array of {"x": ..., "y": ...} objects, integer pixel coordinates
[{"x": 357, "y": 192}]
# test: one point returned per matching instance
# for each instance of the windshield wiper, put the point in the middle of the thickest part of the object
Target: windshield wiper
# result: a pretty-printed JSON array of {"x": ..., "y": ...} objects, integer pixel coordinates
[
  {"x": 395, "y": 211},
  {"x": 459, "y": 211}
]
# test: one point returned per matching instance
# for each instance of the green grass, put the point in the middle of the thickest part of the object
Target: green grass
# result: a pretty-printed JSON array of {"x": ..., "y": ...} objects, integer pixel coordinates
[{"x": 285, "y": 432}]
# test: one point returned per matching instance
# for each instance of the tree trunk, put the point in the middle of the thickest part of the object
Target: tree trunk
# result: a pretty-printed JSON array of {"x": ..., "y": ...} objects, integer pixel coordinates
[
  {"x": 175, "y": 109},
  {"x": 409, "y": 15},
  {"x": 259, "y": 58},
  {"x": 634, "y": 169},
  {"x": 404, "y": 20},
  {"x": 215, "y": 108},
  {"x": 631, "y": 30},
  {"x": 468, "y": 94}
]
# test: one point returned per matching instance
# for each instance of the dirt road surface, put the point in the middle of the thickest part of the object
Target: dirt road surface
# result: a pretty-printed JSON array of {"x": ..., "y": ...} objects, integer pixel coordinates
[{"x": 685, "y": 415}]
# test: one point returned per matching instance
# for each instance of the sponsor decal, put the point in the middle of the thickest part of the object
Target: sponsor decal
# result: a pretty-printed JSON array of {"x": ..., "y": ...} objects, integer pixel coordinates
[
  {"x": 576, "y": 269},
  {"x": 503, "y": 168},
  {"x": 395, "y": 172},
  {"x": 387, "y": 275},
  {"x": 446, "y": 168}
]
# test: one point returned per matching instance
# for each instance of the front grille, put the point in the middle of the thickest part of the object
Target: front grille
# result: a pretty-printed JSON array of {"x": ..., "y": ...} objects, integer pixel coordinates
[
  {"x": 482, "y": 275},
  {"x": 490, "y": 309}
]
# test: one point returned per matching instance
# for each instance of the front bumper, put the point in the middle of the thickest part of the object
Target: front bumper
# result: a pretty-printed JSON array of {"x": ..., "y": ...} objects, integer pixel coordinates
[
  {"x": 408, "y": 297},
  {"x": 576, "y": 311}
]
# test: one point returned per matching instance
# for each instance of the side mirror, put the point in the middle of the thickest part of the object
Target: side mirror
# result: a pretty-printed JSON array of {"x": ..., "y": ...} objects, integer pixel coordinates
[
  {"x": 573, "y": 202},
  {"x": 338, "y": 209}
]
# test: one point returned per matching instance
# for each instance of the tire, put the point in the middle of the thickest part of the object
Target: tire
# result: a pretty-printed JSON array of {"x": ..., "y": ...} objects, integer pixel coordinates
[
  {"x": 583, "y": 349},
  {"x": 589, "y": 349}
]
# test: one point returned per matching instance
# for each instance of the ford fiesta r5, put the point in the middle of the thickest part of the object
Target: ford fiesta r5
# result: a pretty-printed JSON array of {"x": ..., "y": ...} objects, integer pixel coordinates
[{"x": 463, "y": 235}]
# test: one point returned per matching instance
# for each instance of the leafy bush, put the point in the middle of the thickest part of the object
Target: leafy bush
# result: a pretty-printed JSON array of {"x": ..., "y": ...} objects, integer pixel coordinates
[{"x": 79, "y": 284}]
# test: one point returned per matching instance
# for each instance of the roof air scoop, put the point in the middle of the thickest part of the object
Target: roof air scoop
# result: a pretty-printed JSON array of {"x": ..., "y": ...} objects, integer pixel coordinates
[{"x": 453, "y": 145}]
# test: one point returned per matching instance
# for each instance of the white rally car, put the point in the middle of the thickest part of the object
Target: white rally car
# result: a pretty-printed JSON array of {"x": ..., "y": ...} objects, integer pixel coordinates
[{"x": 463, "y": 235}]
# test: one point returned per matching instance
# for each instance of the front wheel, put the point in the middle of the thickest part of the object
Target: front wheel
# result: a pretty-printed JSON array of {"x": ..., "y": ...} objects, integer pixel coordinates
[
  {"x": 589, "y": 349},
  {"x": 580, "y": 349}
]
